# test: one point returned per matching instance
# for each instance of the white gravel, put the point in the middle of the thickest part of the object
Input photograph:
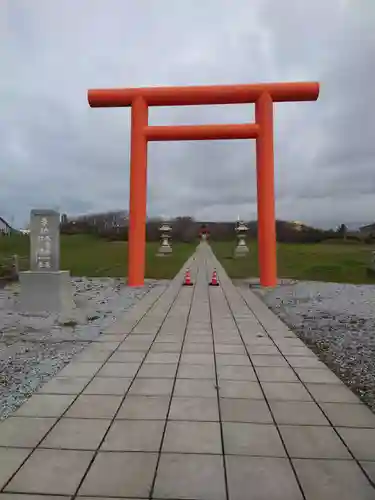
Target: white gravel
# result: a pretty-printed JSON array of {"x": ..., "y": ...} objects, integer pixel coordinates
[
  {"x": 34, "y": 348},
  {"x": 338, "y": 322}
]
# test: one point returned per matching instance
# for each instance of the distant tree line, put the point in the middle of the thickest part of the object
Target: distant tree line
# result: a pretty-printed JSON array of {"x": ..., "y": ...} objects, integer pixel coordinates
[{"x": 187, "y": 229}]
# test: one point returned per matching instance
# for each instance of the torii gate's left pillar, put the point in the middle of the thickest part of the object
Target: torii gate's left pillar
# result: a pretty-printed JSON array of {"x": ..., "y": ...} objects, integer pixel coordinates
[{"x": 138, "y": 192}]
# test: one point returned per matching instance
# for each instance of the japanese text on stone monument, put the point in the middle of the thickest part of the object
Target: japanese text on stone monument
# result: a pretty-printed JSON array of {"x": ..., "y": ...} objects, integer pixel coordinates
[{"x": 44, "y": 245}]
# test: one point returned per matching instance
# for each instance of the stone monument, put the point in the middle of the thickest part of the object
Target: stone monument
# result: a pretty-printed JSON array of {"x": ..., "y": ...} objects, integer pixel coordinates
[
  {"x": 165, "y": 237},
  {"x": 241, "y": 249},
  {"x": 45, "y": 288}
]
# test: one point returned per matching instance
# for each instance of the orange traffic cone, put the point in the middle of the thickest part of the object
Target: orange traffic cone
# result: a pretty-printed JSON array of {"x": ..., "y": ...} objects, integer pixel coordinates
[
  {"x": 214, "y": 280},
  {"x": 187, "y": 279}
]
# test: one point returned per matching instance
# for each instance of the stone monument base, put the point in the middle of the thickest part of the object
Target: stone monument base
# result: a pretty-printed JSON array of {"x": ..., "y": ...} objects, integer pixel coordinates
[
  {"x": 241, "y": 251},
  {"x": 164, "y": 251},
  {"x": 45, "y": 292}
]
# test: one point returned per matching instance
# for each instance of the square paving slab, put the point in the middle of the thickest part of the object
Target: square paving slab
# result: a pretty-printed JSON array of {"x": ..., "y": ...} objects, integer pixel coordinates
[
  {"x": 24, "y": 432},
  {"x": 297, "y": 413},
  {"x": 262, "y": 478},
  {"x": 192, "y": 437},
  {"x": 64, "y": 385},
  {"x": 151, "y": 387},
  {"x": 108, "y": 386},
  {"x": 205, "y": 409},
  {"x": 333, "y": 480},
  {"x": 154, "y": 370},
  {"x": 332, "y": 393},
  {"x": 195, "y": 388},
  {"x": 10, "y": 460},
  {"x": 120, "y": 474},
  {"x": 252, "y": 439},
  {"x": 144, "y": 407},
  {"x": 76, "y": 369},
  {"x": 276, "y": 374},
  {"x": 240, "y": 389},
  {"x": 162, "y": 357},
  {"x": 285, "y": 391},
  {"x": 45, "y": 405},
  {"x": 76, "y": 434},
  {"x": 90, "y": 406},
  {"x": 119, "y": 370},
  {"x": 53, "y": 472},
  {"x": 245, "y": 410},
  {"x": 126, "y": 357},
  {"x": 190, "y": 476},
  {"x": 196, "y": 371},
  {"x": 313, "y": 442},
  {"x": 349, "y": 415},
  {"x": 134, "y": 435},
  {"x": 361, "y": 442},
  {"x": 230, "y": 372}
]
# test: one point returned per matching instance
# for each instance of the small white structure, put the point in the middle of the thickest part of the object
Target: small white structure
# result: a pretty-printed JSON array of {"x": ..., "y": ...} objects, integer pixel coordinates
[
  {"x": 241, "y": 249},
  {"x": 45, "y": 288},
  {"x": 165, "y": 237}
]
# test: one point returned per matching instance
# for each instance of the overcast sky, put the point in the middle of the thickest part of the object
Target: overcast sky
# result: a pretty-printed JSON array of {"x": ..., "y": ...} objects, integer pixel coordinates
[{"x": 57, "y": 152}]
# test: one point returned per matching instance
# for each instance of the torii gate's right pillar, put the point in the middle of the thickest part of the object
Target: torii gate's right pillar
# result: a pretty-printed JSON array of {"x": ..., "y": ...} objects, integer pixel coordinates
[{"x": 267, "y": 256}]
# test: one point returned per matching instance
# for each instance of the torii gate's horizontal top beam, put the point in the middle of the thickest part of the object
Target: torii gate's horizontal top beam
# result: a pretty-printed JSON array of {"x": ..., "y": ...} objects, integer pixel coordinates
[{"x": 209, "y": 94}]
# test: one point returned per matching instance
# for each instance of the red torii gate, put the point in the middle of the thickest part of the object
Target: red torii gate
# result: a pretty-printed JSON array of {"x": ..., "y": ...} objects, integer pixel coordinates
[{"x": 263, "y": 95}]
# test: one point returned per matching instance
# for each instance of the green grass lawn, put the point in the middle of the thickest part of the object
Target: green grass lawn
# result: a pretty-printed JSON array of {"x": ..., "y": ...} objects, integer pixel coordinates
[
  {"x": 87, "y": 255},
  {"x": 339, "y": 262}
]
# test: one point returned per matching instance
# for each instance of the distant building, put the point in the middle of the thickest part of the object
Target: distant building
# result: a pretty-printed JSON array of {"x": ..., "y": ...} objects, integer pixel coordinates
[
  {"x": 5, "y": 228},
  {"x": 368, "y": 230}
]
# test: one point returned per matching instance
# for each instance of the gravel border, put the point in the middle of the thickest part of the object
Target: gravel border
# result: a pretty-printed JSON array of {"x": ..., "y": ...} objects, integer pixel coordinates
[
  {"x": 337, "y": 321},
  {"x": 34, "y": 348}
]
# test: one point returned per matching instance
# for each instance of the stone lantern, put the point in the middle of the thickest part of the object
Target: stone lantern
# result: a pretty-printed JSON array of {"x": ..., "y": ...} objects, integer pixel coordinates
[
  {"x": 241, "y": 249},
  {"x": 165, "y": 236}
]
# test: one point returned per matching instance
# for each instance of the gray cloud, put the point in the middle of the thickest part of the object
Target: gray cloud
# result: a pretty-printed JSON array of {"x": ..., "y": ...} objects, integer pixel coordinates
[{"x": 56, "y": 151}]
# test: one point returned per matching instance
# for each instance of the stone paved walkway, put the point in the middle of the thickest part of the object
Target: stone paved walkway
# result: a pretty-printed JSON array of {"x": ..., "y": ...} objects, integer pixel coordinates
[{"x": 197, "y": 393}]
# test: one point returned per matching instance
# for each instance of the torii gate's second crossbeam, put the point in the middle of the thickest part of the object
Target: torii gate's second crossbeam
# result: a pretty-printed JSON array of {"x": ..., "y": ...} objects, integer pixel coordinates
[{"x": 263, "y": 95}]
